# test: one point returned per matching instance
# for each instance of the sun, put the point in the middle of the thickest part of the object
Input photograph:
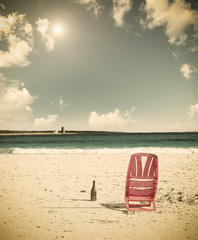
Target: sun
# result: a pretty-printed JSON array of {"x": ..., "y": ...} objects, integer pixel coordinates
[{"x": 58, "y": 29}]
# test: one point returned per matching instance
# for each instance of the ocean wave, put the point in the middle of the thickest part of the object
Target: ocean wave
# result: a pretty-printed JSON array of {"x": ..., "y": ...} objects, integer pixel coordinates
[{"x": 45, "y": 151}]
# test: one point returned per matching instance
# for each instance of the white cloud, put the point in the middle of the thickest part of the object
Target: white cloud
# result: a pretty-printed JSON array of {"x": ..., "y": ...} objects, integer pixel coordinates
[
  {"x": 92, "y": 5},
  {"x": 194, "y": 49},
  {"x": 177, "y": 17},
  {"x": 45, "y": 123},
  {"x": 137, "y": 34},
  {"x": 17, "y": 32},
  {"x": 173, "y": 127},
  {"x": 187, "y": 70},
  {"x": 120, "y": 9},
  {"x": 2, "y": 6},
  {"x": 61, "y": 102},
  {"x": 15, "y": 101},
  {"x": 193, "y": 110},
  {"x": 41, "y": 3},
  {"x": 17, "y": 53},
  {"x": 110, "y": 121},
  {"x": 175, "y": 55},
  {"x": 42, "y": 27}
]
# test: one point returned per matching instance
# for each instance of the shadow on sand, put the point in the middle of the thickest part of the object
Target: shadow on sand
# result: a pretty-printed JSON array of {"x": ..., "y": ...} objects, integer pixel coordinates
[{"x": 115, "y": 206}]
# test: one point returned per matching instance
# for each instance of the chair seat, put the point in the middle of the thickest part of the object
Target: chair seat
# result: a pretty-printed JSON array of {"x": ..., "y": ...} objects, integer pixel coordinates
[{"x": 140, "y": 198}]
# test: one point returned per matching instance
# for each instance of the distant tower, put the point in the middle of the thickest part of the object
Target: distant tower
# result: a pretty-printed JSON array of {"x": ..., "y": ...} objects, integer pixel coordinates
[{"x": 62, "y": 129}]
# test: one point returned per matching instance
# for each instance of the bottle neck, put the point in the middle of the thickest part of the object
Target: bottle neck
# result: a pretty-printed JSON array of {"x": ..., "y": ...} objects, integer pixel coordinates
[{"x": 94, "y": 184}]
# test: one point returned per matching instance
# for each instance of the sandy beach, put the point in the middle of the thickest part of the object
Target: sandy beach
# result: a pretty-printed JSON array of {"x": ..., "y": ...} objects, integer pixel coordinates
[{"x": 48, "y": 197}]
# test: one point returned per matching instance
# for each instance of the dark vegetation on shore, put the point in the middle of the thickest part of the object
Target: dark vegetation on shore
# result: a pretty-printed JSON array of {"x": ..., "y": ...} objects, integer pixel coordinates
[
  {"x": 24, "y": 131},
  {"x": 55, "y": 132}
]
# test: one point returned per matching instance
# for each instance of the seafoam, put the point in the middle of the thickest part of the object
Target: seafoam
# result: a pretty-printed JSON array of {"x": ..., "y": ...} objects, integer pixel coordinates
[{"x": 45, "y": 151}]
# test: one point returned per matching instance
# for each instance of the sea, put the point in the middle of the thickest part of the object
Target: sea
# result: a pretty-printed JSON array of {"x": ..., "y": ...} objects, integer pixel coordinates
[{"x": 100, "y": 143}]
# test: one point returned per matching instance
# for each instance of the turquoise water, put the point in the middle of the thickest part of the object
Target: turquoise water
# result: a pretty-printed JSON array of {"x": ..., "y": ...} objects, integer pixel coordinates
[{"x": 79, "y": 142}]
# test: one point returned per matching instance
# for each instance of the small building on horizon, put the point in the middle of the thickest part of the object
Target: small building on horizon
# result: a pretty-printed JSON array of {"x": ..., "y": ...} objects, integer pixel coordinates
[{"x": 62, "y": 130}]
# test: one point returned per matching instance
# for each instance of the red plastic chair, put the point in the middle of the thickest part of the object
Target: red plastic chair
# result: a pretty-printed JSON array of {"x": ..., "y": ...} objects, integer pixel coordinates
[{"x": 141, "y": 182}]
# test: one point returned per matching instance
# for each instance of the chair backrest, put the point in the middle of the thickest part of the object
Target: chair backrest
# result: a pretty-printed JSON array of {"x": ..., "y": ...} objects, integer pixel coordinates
[{"x": 142, "y": 178}]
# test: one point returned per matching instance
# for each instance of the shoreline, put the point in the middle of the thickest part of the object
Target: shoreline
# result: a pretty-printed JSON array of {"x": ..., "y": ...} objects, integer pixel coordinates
[{"x": 98, "y": 151}]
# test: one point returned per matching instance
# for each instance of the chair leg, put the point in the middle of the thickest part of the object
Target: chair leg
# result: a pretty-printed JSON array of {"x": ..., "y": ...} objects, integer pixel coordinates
[
  {"x": 154, "y": 205},
  {"x": 127, "y": 205}
]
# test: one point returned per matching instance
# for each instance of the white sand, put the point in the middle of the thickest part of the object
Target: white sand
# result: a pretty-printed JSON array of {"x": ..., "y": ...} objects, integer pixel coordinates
[{"x": 47, "y": 197}]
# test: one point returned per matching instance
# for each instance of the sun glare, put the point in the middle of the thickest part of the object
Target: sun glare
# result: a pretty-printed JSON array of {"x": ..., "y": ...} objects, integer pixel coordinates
[{"x": 58, "y": 29}]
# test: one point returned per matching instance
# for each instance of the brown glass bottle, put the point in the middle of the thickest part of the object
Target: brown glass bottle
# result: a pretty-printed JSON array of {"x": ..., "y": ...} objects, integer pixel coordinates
[{"x": 93, "y": 192}]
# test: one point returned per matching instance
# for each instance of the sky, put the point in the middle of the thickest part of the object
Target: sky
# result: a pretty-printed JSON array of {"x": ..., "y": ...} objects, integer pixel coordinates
[{"x": 114, "y": 65}]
